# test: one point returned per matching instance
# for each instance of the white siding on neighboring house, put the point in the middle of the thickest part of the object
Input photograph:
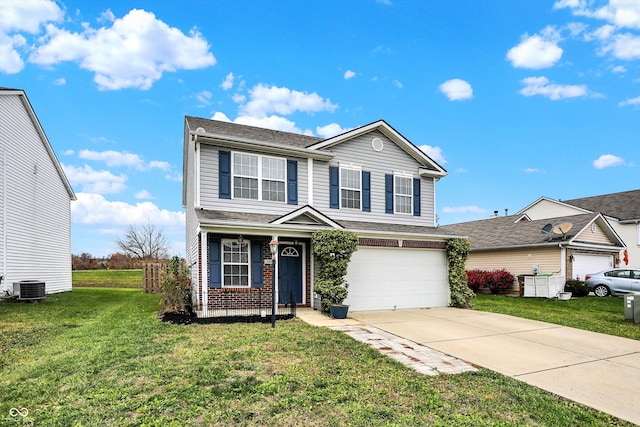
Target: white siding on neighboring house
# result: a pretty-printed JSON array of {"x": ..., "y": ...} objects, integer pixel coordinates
[
  {"x": 550, "y": 209},
  {"x": 517, "y": 261},
  {"x": 392, "y": 159},
  {"x": 36, "y": 211},
  {"x": 629, "y": 235}
]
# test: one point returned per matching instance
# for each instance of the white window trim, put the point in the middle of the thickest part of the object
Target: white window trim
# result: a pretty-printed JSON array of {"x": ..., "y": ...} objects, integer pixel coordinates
[
  {"x": 223, "y": 264},
  {"x": 397, "y": 175},
  {"x": 260, "y": 178},
  {"x": 353, "y": 168}
]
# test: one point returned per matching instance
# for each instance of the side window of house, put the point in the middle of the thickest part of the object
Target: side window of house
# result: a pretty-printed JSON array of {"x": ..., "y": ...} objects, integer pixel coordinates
[{"x": 350, "y": 188}]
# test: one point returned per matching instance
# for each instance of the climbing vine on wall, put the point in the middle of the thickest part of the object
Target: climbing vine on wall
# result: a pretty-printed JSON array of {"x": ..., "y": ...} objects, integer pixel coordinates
[{"x": 457, "y": 252}]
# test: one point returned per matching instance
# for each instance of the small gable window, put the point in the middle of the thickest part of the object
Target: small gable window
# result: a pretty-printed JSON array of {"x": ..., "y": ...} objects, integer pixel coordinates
[
  {"x": 403, "y": 194},
  {"x": 350, "y": 188}
]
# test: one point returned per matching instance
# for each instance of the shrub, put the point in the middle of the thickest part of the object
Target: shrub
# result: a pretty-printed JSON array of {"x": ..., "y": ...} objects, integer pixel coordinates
[
  {"x": 457, "y": 252},
  {"x": 332, "y": 249},
  {"x": 175, "y": 287},
  {"x": 496, "y": 280},
  {"x": 577, "y": 288}
]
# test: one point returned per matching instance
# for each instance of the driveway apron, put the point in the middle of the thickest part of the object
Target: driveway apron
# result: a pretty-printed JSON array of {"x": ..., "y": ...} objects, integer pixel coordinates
[{"x": 597, "y": 370}]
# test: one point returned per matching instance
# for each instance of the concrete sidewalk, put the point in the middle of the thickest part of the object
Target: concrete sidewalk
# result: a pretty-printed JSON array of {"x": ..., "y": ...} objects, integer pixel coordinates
[{"x": 597, "y": 370}]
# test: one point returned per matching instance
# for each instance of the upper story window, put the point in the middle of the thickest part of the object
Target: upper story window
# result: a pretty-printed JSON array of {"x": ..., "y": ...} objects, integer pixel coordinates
[
  {"x": 259, "y": 177},
  {"x": 350, "y": 188},
  {"x": 403, "y": 194}
]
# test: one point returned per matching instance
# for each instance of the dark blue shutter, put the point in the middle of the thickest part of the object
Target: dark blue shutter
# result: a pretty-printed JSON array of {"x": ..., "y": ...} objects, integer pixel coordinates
[
  {"x": 292, "y": 182},
  {"x": 366, "y": 191},
  {"x": 215, "y": 268},
  {"x": 388, "y": 193},
  {"x": 416, "y": 196},
  {"x": 256, "y": 264},
  {"x": 224, "y": 174},
  {"x": 334, "y": 187}
]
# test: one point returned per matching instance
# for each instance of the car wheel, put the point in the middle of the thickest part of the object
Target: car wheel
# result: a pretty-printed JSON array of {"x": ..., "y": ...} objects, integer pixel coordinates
[{"x": 601, "y": 291}]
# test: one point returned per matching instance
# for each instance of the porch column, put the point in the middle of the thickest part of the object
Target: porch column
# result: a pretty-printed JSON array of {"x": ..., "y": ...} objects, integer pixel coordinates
[{"x": 204, "y": 268}]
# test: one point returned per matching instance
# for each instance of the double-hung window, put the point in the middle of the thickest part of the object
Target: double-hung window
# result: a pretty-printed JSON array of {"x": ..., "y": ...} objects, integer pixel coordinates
[
  {"x": 235, "y": 264},
  {"x": 350, "y": 188},
  {"x": 259, "y": 177},
  {"x": 403, "y": 186}
]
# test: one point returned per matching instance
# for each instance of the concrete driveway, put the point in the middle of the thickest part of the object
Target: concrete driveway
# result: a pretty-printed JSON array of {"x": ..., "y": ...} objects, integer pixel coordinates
[{"x": 597, "y": 370}]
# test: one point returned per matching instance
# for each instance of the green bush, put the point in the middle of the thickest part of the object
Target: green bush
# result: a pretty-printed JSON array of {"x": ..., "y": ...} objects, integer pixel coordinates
[
  {"x": 577, "y": 288},
  {"x": 332, "y": 249},
  {"x": 457, "y": 253}
]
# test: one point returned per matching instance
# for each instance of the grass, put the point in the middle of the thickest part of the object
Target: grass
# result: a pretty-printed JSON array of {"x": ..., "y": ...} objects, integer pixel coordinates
[
  {"x": 605, "y": 315},
  {"x": 107, "y": 278},
  {"x": 101, "y": 357}
]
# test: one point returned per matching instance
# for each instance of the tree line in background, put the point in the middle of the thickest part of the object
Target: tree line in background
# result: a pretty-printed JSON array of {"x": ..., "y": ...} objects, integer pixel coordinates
[{"x": 140, "y": 244}]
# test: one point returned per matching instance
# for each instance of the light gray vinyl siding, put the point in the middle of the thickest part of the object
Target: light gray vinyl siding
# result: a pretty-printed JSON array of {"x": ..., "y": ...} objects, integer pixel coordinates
[
  {"x": 209, "y": 187},
  {"x": 360, "y": 153},
  {"x": 37, "y": 213},
  {"x": 191, "y": 241}
]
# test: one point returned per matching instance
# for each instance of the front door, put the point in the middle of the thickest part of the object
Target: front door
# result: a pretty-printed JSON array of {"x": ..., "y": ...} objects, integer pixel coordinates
[{"x": 290, "y": 274}]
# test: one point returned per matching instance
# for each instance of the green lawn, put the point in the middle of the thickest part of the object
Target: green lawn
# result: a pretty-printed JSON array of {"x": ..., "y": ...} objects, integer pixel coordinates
[
  {"x": 100, "y": 357},
  {"x": 107, "y": 278},
  {"x": 605, "y": 315}
]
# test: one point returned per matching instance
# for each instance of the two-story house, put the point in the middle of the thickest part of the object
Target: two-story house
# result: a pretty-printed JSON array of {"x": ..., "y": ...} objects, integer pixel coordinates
[{"x": 245, "y": 186}]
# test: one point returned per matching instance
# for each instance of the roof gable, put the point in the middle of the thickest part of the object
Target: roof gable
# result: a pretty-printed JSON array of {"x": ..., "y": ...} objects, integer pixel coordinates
[
  {"x": 429, "y": 166},
  {"x": 545, "y": 207},
  {"x": 306, "y": 215},
  {"x": 43, "y": 137}
]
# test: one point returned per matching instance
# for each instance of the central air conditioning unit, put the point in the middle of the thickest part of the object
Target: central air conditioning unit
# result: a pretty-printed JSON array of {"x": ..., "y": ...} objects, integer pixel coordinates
[{"x": 29, "y": 290}]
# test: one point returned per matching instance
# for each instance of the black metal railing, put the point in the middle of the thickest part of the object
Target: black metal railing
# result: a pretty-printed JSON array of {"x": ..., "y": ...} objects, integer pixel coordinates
[{"x": 241, "y": 306}]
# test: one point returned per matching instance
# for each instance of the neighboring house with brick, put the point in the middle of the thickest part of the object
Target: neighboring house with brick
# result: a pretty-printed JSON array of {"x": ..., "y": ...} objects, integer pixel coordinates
[
  {"x": 622, "y": 211},
  {"x": 244, "y": 186},
  {"x": 35, "y": 201},
  {"x": 523, "y": 245}
]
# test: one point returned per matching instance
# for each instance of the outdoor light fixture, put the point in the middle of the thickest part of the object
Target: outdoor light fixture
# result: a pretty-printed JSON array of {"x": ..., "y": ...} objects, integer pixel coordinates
[{"x": 273, "y": 245}]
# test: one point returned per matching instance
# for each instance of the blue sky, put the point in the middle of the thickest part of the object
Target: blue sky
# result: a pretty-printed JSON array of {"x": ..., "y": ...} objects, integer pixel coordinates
[{"x": 516, "y": 99}]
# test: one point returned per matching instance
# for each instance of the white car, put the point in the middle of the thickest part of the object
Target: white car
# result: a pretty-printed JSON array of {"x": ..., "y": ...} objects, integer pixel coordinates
[{"x": 617, "y": 281}]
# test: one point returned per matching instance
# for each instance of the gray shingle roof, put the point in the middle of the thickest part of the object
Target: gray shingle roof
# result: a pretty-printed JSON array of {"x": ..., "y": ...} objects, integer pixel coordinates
[
  {"x": 503, "y": 232},
  {"x": 246, "y": 218},
  {"x": 253, "y": 133},
  {"x": 622, "y": 206}
]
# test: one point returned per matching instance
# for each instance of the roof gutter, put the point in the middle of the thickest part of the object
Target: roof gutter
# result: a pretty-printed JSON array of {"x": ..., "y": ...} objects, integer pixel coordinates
[{"x": 244, "y": 144}]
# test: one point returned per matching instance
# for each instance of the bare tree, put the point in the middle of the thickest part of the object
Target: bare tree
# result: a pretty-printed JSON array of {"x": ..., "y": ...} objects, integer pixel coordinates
[{"x": 144, "y": 243}]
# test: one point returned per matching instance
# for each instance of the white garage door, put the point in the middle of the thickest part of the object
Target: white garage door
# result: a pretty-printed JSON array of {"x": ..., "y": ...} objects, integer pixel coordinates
[
  {"x": 584, "y": 264},
  {"x": 388, "y": 278}
]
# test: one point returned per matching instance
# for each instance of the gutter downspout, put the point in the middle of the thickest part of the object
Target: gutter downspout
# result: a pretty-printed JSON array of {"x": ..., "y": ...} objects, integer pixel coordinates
[{"x": 563, "y": 260}]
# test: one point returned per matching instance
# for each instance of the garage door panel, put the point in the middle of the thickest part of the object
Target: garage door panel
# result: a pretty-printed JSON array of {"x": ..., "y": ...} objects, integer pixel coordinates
[
  {"x": 584, "y": 264},
  {"x": 388, "y": 278}
]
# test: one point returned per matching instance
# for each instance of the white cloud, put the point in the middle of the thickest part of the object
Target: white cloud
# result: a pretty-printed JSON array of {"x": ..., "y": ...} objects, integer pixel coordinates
[
  {"x": 537, "y": 51},
  {"x": 11, "y": 62},
  {"x": 28, "y": 15},
  {"x": 532, "y": 170},
  {"x": 60, "y": 82},
  {"x": 330, "y": 130},
  {"x": 133, "y": 53},
  {"x": 385, "y": 2},
  {"x": 621, "y": 13},
  {"x": 463, "y": 209},
  {"x": 349, "y": 74},
  {"x": 264, "y": 100},
  {"x": 93, "y": 181},
  {"x": 203, "y": 98},
  {"x": 95, "y": 209},
  {"x": 228, "y": 82},
  {"x": 624, "y": 46},
  {"x": 630, "y": 101},
  {"x": 271, "y": 122},
  {"x": 434, "y": 152},
  {"x": 542, "y": 86},
  {"x": 68, "y": 152},
  {"x": 607, "y": 161},
  {"x": 143, "y": 194},
  {"x": 456, "y": 89},
  {"x": 117, "y": 158},
  {"x": 619, "y": 69},
  {"x": 398, "y": 84},
  {"x": 221, "y": 117}
]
